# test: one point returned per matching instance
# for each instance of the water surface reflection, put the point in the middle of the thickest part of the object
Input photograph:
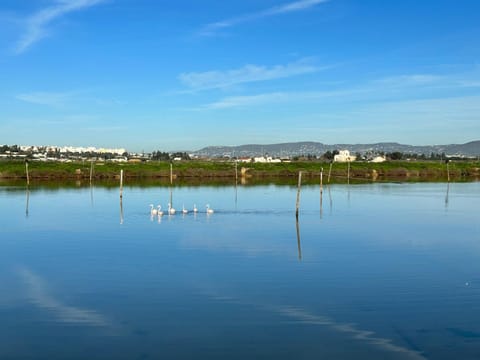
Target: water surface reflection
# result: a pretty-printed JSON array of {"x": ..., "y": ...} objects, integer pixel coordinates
[{"x": 385, "y": 273}]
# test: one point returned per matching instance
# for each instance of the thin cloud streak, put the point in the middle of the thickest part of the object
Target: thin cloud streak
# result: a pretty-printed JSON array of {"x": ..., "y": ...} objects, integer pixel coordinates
[
  {"x": 248, "y": 73},
  {"x": 410, "y": 80},
  {"x": 275, "y": 97},
  {"x": 212, "y": 28},
  {"x": 394, "y": 88},
  {"x": 37, "y": 24},
  {"x": 44, "y": 98}
]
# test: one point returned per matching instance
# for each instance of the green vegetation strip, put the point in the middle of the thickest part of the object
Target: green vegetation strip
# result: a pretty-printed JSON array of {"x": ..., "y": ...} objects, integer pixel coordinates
[{"x": 422, "y": 170}]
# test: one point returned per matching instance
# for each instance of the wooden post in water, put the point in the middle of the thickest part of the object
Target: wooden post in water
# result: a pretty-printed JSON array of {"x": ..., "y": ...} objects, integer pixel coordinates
[
  {"x": 297, "y": 206},
  {"x": 321, "y": 191},
  {"x": 348, "y": 172},
  {"x": 171, "y": 182},
  {"x": 236, "y": 172},
  {"x": 26, "y": 171},
  {"x": 121, "y": 183},
  {"x": 330, "y": 171},
  {"x": 236, "y": 183},
  {"x": 91, "y": 171},
  {"x": 448, "y": 171},
  {"x": 321, "y": 180}
]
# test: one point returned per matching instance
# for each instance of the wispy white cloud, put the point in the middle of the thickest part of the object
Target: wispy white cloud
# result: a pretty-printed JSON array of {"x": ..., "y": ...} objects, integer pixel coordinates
[
  {"x": 247, "y": 100},
  {"x": 275, "y": 97},
  {"x": 212, "y": 28},
  {"x": 410, "y": 80},
  {"x": 61, "y": 98},
  {"x": 448, "y": 111},
  {"x": 246, "y": 74},
  {"x": 36, "y": 26},
  {"x": 382, "y": 90},
  {"x": 45, "y": 98}
]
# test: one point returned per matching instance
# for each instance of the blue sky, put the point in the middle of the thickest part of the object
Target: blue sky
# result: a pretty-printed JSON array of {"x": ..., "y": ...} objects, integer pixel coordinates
[{"x": 184, "y": 74}]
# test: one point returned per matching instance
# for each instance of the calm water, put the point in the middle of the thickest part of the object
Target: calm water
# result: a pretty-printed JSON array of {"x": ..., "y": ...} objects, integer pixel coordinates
[{"x": 382, "y": 271}]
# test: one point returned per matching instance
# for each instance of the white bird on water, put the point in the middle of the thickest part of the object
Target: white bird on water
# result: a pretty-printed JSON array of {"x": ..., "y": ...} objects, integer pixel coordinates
[
  {"x": 159, "y": 211},
  {"x": 153, "y": 211},
  {"x": 171, "y": 210},
  {"x": 195, "y": 210},
  {"x": 184, "y": 211},
  {"x": 209, "y": 211}
]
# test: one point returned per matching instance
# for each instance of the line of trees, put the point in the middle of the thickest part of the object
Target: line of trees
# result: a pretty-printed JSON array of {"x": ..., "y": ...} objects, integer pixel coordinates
[
  {"x": 165, "y": 156},
  {"x": 397, "y": 155},
  {"x": 394, "y": 155}
]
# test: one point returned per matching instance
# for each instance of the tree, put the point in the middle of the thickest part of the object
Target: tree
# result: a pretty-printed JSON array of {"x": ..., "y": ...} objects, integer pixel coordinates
[
  {"x": 396, "y": 155},
  {"x": 329, "y": 155}
]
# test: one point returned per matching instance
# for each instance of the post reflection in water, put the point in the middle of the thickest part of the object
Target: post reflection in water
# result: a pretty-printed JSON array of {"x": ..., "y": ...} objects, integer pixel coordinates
[
  {"x": 330, "y": 199},
  {"x": 321, "y": 204},
  {"x": 121, "y": 211},
  {"x": 236, "y": 195},
  {"x": 298, "y": 240},
  {"x": 27, "y": 201},
  {"x": 446, "y": 195}
]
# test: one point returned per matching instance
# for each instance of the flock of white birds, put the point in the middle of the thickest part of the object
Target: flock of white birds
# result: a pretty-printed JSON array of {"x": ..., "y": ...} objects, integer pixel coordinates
[{"x": 157, "y": 211}]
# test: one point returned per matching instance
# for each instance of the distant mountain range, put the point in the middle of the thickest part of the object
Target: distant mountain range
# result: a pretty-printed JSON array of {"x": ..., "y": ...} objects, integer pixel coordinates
[{"x": 469, "y": 149}]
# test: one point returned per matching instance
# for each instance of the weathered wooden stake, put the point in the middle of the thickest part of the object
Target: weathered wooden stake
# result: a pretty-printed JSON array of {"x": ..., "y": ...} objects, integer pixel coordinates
[
  {"x": 121, "y": 183},
  {"x": 321, "y": 191},
  {"x": 321, "y": 181},
  {"x": 348, "y": 172},
  {"x": 448, "y": 173},
  {"x": 91, "y": 171},
  {"x": 26, "y": 171},
  {"x": 171, "y": 173},
  {"x": 329, "y": 172},
  {"x": 236, "y": 171},
  {"x": 298, "y": 193}
]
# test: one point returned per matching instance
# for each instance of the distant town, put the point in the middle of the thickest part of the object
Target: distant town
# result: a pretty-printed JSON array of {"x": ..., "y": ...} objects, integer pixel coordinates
[{"x": 249, "y": 153}]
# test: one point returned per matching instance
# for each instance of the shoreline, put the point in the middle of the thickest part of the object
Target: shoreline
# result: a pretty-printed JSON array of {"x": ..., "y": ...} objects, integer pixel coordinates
[{"x": 221, "y": 171}]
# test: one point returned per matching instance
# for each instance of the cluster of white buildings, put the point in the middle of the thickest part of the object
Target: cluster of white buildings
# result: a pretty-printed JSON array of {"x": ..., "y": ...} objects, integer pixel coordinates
[
  {"x": 345, "y": 156},
  {"x": 260, "y": 159},
  {"x": 73, "y": 149}
]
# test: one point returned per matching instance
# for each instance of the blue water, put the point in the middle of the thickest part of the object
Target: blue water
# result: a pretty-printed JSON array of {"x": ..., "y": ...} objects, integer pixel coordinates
[{"x": 377, "y": 271}]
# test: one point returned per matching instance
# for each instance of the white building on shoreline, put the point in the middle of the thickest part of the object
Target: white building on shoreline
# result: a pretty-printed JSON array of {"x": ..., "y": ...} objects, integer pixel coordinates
[{"x": 344, "y": 156}]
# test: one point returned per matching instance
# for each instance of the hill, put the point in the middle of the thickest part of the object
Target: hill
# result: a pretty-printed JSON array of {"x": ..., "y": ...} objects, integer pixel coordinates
[{"x": 470, "y": 149}]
